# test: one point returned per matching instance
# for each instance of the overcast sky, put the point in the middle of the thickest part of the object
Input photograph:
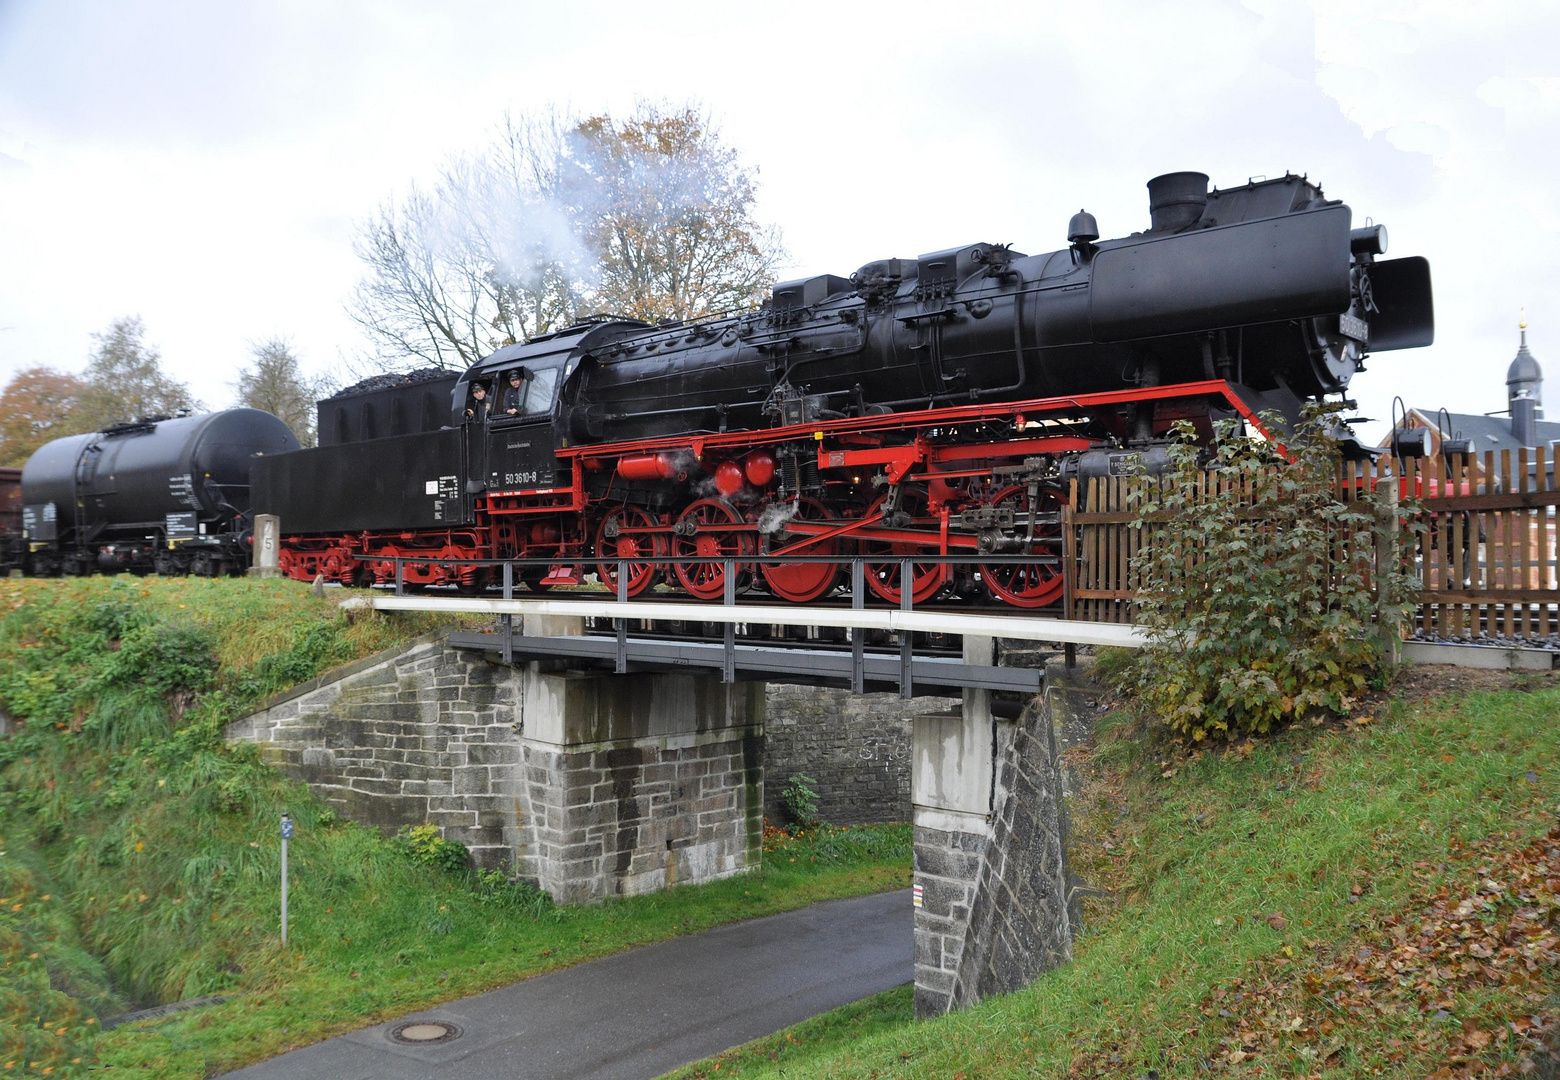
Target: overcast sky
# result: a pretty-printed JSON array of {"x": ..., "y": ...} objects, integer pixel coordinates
[{"x": 203, "y": 164}]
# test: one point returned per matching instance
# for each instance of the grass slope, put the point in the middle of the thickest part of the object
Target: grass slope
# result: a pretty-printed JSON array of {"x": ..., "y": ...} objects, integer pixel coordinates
[
  {"x": 1363, "y": 900},
  {"x": 138, "y": 851}
]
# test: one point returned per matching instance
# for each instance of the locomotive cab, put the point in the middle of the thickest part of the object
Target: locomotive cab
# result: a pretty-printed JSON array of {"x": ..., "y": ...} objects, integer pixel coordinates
[
  {"x": 518, "y": 453},
  {"x": 521, "y": 450}
]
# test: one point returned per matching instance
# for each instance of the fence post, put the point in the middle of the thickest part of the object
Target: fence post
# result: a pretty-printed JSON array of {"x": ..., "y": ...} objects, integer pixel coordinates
[
  {"x": 728, "y": 662},
  {"x": 1069, "y": 550},
  {"x": 621, "y": 666},
  {"x": 287, "y": 831},
  {"x": 906, "y": 637},
  {"x": 1388, "y": 616}
]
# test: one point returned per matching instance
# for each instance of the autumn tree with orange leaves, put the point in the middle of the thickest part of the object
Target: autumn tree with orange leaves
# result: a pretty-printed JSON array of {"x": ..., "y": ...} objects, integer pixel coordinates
[
  {"x": 124, "y": 380},
  {"x": 37, "y": 405},
  {"x": 668, "y": 209}
]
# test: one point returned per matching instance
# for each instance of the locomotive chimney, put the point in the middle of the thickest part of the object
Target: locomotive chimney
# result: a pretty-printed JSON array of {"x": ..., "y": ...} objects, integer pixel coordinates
[{"x": 1176, "y": 200}]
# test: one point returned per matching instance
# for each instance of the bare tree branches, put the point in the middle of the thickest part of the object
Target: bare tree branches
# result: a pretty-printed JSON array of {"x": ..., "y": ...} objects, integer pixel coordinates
[
  {"x": 481, "y": 261},
  {"x": 422, "y": 297},
  {"x": 668, "y": 210},
  {"x": 652, "y": 217}
]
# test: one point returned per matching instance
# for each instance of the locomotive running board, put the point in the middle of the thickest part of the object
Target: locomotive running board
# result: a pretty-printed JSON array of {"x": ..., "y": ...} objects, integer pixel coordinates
[{"x": 819, "y": 430}]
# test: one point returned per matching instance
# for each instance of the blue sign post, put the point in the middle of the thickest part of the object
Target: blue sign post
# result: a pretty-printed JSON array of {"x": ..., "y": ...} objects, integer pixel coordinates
[{"x": 287, "y": 831}]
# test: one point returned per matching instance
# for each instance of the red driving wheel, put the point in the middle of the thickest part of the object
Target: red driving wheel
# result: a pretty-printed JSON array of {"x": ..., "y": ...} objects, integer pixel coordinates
[
  {"x": 631, "y": 546},
  {"x": 803, "y": 581},
  {"x": 704, "y": 531},
  {"x": 1027, "y": 585},
  {"x": 926, "y": 579}
]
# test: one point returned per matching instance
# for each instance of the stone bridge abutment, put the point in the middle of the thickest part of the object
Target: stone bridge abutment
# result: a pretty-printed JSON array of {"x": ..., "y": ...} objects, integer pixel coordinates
[
  {"x": 591, "y": 787},
  {"x": 595, "y": 785}
]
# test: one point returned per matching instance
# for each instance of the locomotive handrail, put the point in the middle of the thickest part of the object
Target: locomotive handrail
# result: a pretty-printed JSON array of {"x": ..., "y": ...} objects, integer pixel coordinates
[{"x": 951, "y": 414}]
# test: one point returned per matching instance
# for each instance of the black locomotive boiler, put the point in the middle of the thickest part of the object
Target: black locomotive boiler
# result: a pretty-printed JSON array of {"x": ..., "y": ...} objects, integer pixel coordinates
[
  {"x": 935, "y": 406},
  {"x": 163, "y": 494}
]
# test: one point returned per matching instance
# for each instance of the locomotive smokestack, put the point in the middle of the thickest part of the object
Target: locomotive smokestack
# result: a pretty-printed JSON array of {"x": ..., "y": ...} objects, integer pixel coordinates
[{"x": 1176, "y": 200}]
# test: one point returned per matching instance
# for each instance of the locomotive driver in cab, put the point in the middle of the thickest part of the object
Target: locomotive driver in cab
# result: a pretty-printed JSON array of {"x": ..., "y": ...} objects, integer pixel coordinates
[
  {"x": 480, "y": 406},
  {"x": 514, "y": 393}
]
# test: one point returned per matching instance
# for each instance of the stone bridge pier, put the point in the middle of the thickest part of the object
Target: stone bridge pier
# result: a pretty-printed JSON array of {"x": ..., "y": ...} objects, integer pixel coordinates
[
  {"x": 590, "y": 786},
  {"x": 993, "y": 903}
]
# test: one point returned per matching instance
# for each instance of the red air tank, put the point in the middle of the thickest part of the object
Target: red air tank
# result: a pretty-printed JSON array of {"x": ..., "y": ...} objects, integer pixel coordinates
[
  {"x": 760, "y": 468},
  {"x": 650, "y": 467},
  {"x": 728, "y": 478}
]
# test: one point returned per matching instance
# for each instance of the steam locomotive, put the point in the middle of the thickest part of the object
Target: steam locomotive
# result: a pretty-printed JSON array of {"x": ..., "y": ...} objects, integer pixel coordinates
[{"x": 928, "y": 409}]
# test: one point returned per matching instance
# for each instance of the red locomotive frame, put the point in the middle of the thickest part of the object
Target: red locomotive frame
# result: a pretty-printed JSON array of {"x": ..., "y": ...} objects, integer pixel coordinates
[{"x": 897, "y": 485}]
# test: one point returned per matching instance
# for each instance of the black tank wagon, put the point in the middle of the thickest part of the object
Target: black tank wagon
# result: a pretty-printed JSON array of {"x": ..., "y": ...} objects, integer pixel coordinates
[{"x": 164, "y": 494}]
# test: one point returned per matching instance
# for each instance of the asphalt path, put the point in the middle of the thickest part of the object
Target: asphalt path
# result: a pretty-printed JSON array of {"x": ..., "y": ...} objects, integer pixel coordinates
[{"x": 639, "y": 1013}]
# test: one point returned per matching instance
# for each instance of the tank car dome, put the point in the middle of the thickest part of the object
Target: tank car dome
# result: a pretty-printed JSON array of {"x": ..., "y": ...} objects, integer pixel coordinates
[{"x": 1524, "y": 374}]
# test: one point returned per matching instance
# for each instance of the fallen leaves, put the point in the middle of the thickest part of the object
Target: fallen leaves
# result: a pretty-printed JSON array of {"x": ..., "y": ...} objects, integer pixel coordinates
[{"x": 1413, "y": 973}]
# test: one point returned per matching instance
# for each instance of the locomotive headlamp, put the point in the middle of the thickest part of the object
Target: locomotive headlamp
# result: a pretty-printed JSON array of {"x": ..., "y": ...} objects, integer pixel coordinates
[{"x": 1371, "y": 240}]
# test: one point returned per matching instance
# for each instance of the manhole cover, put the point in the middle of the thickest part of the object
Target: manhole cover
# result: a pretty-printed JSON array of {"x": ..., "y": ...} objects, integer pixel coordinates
[{"x": 425, "y": 1032}]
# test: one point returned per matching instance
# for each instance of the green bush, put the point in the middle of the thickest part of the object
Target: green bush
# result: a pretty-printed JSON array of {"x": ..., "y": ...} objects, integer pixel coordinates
[
  {"x": 1256, "y": 590},
  {"x": 423, "y": 845},
  {"x": 841, "y": 844},
  {"x": 494, "y": 888},
  {"x": 116, "y": 617},
  {"x": 801, "y": 800},
  {"x": 133, "y": 684}
]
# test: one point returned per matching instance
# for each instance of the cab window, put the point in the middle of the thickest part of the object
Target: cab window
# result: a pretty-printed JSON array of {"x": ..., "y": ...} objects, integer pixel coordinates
[{"x": 539, "y": 392}]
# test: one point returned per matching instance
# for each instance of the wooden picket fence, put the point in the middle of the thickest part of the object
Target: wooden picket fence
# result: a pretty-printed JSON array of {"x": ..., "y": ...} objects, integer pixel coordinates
[
  {"x": 1099, "y": 538},
  {"x": 1480, "y": 531}
]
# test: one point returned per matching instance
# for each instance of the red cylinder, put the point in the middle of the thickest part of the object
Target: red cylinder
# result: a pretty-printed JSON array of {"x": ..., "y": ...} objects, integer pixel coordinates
[
  {"x": 760, "y": 468},
  {"x": 728, "y": 478},
  {"x": 648, "y": 467}
]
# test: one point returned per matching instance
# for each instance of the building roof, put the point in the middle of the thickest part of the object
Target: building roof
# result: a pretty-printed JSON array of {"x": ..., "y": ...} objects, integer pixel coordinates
[{"x": 1488, "y": 432}]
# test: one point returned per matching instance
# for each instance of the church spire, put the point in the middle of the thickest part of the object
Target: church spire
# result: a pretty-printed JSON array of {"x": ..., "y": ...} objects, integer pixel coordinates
[{"x": 1524, "y": 390}]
